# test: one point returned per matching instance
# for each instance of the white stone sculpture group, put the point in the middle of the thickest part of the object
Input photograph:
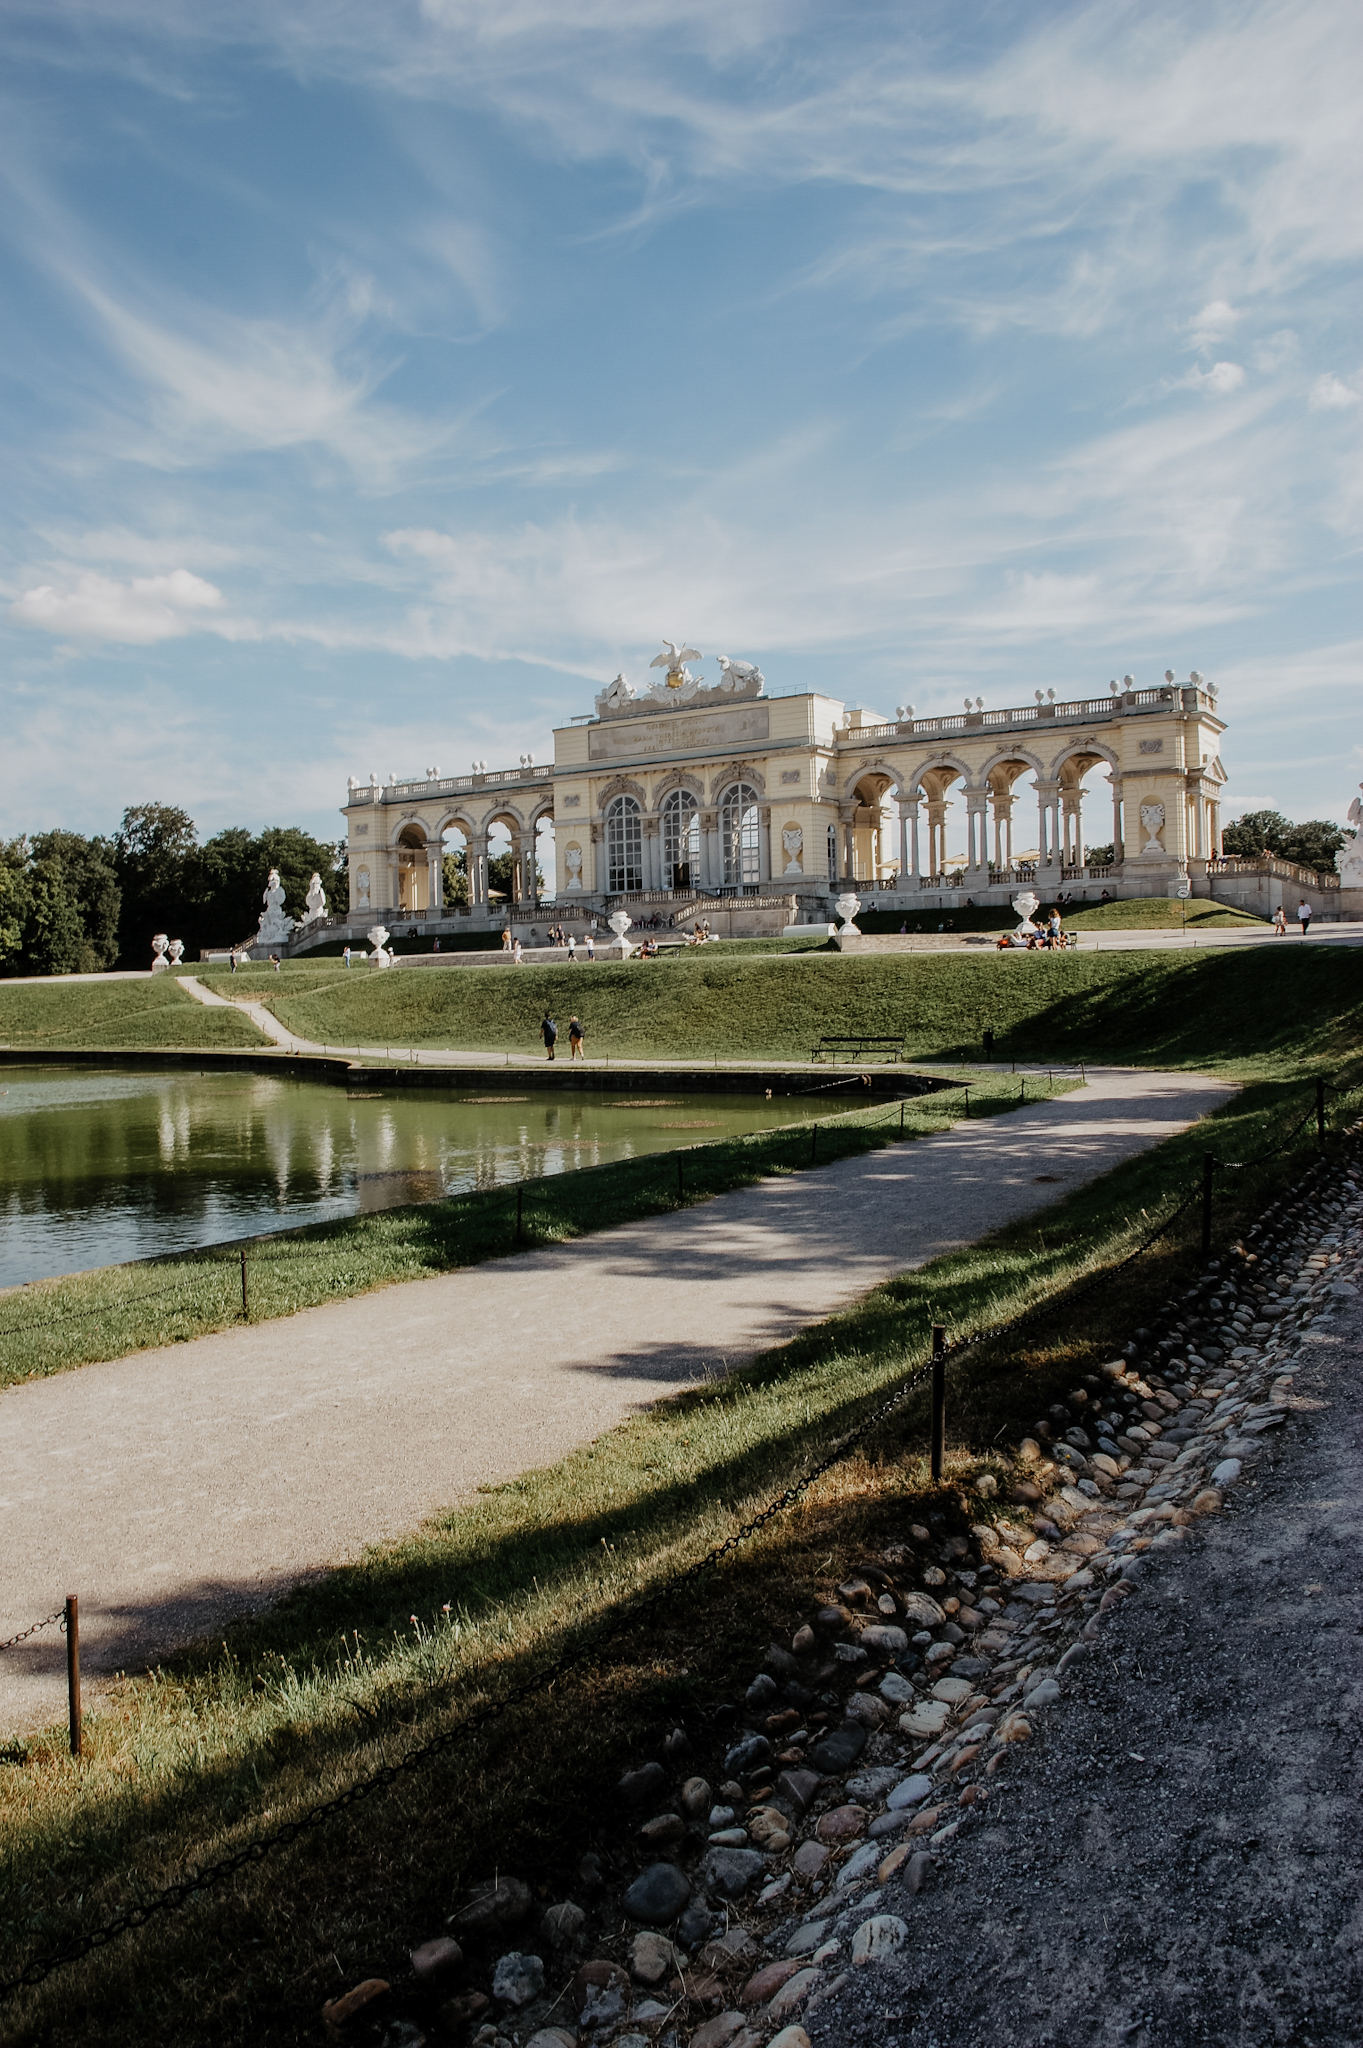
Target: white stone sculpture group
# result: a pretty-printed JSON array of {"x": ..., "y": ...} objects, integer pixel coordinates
[
  {"x": 275, "y": 926},
  {"x": 847, "y": 908},
  {"x": 377, "y": 936},
  {"x": 1152, "y": 823},
  {"x": 166, "y": 953},
  {"x": 793, "y": 840},
  {"x": 678, "y": 686},
  {"x": 1349, "y": 859}
]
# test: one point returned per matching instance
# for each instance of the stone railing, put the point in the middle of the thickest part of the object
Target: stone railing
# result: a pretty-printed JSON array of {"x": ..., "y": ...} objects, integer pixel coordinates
[
  {"x": 1169, "y": 696},
  {"x": 1270, "y": 864},
  {"x": 449, "y": 785}
]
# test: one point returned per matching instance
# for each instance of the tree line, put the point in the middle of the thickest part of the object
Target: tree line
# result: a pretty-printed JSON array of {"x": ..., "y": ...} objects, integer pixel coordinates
[
  {"x": 76, "y": 905},
  {"x": 1311, "y": 845}
]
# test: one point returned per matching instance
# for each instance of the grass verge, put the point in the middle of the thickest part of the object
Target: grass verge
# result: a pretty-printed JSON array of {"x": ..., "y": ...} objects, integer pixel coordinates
[
  {"x": 54, "y": 1325},
  {"x": 348, "y": 1674},
  {"x": 114, "y": 1016}
]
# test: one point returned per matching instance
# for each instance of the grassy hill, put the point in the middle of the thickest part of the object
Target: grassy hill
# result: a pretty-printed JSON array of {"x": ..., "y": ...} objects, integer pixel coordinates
[
  {"x": 116, "y": 1015},
  {"x": 1129, "y": 1007}
]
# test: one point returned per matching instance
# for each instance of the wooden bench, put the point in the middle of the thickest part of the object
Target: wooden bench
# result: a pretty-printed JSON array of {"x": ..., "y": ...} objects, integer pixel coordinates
[{"x": 867, "y": 1047}]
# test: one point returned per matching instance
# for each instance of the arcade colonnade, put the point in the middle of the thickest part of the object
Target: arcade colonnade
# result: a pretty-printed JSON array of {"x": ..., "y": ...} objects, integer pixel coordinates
[{"x": 732, "y": 792}]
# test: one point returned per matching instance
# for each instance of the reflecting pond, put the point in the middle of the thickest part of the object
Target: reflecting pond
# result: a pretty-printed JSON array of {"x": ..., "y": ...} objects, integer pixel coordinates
[{"x": 101, "y": 1165}]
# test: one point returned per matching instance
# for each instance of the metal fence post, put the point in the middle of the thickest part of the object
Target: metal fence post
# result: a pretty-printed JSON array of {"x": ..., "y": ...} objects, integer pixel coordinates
[
  {"x": 939, "y": 1396},
  {"x": 73, "y": 1670},
  {"x": 1208, "y": 1171}
]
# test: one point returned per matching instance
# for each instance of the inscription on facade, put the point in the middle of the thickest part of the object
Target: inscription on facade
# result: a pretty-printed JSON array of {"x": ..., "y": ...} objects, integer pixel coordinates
[{"x": 699, "y": 734}]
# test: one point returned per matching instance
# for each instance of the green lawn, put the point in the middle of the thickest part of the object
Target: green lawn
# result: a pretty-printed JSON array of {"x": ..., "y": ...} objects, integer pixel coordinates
[
  {"x": 1165, "y": 1008},
  {"x": 111, "y": 1016}
]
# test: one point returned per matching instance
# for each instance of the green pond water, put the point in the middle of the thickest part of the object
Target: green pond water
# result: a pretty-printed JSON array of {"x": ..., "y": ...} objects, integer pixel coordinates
[{"x": 98, "y": 1166}]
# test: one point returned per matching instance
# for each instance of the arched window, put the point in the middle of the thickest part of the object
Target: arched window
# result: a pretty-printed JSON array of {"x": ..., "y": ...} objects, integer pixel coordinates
[
  {"x": 738, "y": 836},
  {"x": 624, "y": 847},
  {"x": 681, "y": 841},
  {"x": 832, "y": 853}
]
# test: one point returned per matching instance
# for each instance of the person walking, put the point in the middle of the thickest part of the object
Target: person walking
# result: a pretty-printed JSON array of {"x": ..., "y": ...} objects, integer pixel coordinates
[
  {"x": 234, "y": 960},
  {"x": 591, "y": 946},
  {"x": 549, "y": 1033},
  {"x": 1304, "y": 916},
  {"x": 575, "y": 1037},
  {"x": 506, "y": 940},
  {"x": 572, "y": 946},
  {"x": 345, "y": 956},
  {"x": 516, "y": 952},
  {"x": 1280, "y": 922}
]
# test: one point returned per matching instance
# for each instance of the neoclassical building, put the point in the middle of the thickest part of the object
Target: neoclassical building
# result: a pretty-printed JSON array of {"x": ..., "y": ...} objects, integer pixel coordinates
[{"x": 687, "y": 792}]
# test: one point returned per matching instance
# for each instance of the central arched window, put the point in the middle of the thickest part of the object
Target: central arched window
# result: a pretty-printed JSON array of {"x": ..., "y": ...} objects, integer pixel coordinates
[
  {"x": 738, "y": 836},
  {"x": 624, "y": 847},
  {"x": 681, "y": 841}
]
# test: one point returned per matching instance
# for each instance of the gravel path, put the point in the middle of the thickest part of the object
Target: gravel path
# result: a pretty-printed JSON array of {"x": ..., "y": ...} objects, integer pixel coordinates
[
  {"x": 1178, "y": 1859},
  {"x": 174, "y": 1488}
]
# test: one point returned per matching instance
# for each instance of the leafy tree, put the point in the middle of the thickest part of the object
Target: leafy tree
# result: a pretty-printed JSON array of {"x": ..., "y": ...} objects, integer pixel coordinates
[
  {"x": 13, "y": 859},
  {"x": 1099, "y": 856},
  {"x": 89, "y": 882},
  {"x": 152, "y": 851},
  {"x": 1311, "y": 845}
]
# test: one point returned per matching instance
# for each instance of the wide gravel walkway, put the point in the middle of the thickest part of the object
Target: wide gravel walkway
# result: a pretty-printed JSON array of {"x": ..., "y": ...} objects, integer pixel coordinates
[{"x": 175, "y": 1488}]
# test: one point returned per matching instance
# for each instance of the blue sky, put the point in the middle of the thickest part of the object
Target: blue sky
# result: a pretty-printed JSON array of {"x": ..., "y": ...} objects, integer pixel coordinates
[{"x": 377, "y": 379}]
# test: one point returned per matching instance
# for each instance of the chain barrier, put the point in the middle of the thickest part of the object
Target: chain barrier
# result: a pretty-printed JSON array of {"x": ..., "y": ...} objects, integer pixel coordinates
[
  {"x": 46, "y": 1622},
  {"x": 625, "y": 1625}
]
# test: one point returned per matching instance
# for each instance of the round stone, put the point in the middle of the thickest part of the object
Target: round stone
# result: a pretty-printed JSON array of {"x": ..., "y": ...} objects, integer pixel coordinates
[{"x": 658, "y": 1895}]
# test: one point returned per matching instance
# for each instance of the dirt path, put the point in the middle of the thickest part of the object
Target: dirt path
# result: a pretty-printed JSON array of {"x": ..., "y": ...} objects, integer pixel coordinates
[
  {"x": 176, "y": 1487},
  {"x": 1179, "y": 1861}
]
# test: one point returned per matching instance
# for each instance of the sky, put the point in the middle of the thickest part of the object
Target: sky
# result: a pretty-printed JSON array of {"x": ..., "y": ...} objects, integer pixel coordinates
[{"x": 376, "y": 380}]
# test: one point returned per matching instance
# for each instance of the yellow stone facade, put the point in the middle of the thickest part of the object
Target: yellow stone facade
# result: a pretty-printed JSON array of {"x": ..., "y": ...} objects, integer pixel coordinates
[{"x": 736, "y": 793}]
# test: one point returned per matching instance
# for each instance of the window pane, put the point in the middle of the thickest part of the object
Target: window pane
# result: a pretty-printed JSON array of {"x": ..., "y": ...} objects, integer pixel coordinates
[{"x": 624, "y": 846}]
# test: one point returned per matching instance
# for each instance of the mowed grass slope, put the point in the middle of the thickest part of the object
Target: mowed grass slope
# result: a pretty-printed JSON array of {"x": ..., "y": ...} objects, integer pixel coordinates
[
  {"x": 1169, "y": 1009},
  {"x": 64, "y": 1015}
]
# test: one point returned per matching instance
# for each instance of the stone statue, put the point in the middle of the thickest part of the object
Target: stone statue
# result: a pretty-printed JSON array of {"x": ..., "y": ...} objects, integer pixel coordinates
[
  {"x": 1349, "y": 859},
  {"x": 275, "y": 926},
  {"x": 1152, "y": 823},
  {"x": 177, "y": 952},
  {"x": 674, "y": 660},
  {"x": 377, "y": 936},
  {"x": 362, "y": 889},
  {"x": 793, "y": 839},
  {"x": 847, "y": 908},
  {"x": 620, "y": 922},
  {"x": 615, "y": 695},
  {"x": 738, "y": 675},
  {"x": 572, "y": 860},
  {"x": 317, "y": 902},
  {"x": 159, "y": 962}
]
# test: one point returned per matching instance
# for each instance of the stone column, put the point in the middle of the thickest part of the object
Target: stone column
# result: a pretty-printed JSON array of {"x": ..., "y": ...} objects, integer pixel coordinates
[
  {"x": 477, "y": 862},
  {"x": 764, "y": 844},
  {"x": 849, "y": 849},
  {"x": 435, "y": 869},
  {"x": 1118, "y": 847},
  {"x": 977, "y": 830},
  {"x": 708, "y": 877}
]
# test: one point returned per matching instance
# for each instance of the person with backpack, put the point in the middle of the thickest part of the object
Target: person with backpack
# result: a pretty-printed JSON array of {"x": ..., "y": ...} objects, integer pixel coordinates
[{"x": 549, "y": 1033}]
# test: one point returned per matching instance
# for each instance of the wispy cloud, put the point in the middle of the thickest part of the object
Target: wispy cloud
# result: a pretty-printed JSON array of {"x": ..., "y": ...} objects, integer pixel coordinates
[{"x": 138, "y": 613}]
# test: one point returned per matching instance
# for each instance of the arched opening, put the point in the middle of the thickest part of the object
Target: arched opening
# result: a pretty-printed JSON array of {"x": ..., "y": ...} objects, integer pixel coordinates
[
  {"x": 454, "y": 867},
  {"x": 934, "y": 784},
  {"x": 501, "y": 864},
  {"x": 545, "y": 870},
  {"x": 874, "y": 838},
  {"x": 681, "y": 840},
  {"x": 624, "y": 847},
  {"x": 1002, "y": 780},
  {"x": 740, "y": 837},
  {"x": 413, "y": 878},
  {"x": 1080, "y": 779}
]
